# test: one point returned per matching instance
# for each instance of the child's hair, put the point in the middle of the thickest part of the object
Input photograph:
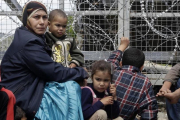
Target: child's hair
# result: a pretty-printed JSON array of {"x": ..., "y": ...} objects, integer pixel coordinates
[
  {"x": 19, "y": 113},
  {"x": 134, "y": 57},
  {"x": 57, "y": 12},
  {"x": 100, "y": 65}
]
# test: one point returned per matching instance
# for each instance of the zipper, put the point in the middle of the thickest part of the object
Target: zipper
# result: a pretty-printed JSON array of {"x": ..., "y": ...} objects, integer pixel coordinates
[{"x": 65, "y": 57}]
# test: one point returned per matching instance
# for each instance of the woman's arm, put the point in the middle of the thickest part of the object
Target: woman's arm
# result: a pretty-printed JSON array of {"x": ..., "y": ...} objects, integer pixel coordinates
[
  {"x": 173, "y": 97},
  {"x": 171, "y": 78},
  {"x": 173, "y": 74},
  {"x": 35, "y": 56}
]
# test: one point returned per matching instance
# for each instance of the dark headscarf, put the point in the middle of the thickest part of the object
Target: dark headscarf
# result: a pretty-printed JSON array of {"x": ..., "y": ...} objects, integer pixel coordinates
[{"x": 29, "y": 8}]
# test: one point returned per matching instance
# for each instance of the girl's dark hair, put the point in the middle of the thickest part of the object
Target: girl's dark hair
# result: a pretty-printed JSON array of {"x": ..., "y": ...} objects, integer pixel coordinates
[{"x": 100, "y": 65}]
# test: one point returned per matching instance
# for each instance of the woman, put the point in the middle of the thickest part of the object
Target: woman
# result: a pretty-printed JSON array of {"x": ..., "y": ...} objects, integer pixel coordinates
[{"x": 35, "y": 79}]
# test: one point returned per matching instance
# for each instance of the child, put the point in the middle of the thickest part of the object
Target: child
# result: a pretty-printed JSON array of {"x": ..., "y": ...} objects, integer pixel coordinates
[
  {"x": 97, "y": 104},
  {"x": 64, "y": 50},
  {"x": 171, "y": 91},
  {"x": 134, "y": 90}
]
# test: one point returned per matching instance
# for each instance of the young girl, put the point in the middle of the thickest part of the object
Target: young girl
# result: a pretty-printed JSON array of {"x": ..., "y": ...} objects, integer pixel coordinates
[{"x": 97, "y": 104}]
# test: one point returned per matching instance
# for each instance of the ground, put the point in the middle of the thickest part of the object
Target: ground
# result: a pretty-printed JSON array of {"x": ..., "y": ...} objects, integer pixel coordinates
[{"x": 162, "y": 115}]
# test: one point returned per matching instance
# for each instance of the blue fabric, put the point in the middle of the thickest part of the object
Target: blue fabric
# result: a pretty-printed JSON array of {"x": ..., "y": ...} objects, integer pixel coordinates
[
  {"x": 173, "y": 110},
  {"x": 61, "y": 101}
]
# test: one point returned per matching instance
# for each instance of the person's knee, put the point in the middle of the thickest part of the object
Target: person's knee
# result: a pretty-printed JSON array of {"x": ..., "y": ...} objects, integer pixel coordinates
[{"x": 101, "y": 115}]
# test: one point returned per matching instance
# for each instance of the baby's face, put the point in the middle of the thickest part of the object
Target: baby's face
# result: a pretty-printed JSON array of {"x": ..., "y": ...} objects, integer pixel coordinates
[{"x": 58, "y": 26}]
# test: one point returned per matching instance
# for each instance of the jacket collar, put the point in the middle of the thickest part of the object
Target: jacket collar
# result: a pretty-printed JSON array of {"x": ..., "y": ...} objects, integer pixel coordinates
[
  {"x": 26, "y": 29},
  {"x": 51, "y": 36},
  {"x": 130, "y": 68},
  {"x": 51, "y": 39}
]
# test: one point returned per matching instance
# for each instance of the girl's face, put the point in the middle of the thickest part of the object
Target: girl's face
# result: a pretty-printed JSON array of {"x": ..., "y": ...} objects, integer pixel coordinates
[
  {"x": 101, "y": 80},
  {"x": 38, "y": 22}
]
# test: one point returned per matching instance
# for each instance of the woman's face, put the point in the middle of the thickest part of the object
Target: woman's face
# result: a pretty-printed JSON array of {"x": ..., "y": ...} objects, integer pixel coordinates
[{"x": 38, "y": 22}]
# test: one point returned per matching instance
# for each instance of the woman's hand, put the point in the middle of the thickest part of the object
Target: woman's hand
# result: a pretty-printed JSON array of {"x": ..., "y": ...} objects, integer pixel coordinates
[{"x": 164, "y": 89}]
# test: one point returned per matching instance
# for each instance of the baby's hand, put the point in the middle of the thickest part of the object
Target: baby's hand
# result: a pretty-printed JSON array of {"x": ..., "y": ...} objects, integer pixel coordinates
[
  {"x": 72, "y": 65},
  {"x": 124, "y": 43},
  {"x": 107, "y": 100},
  {"x": 112, "y": 90}
]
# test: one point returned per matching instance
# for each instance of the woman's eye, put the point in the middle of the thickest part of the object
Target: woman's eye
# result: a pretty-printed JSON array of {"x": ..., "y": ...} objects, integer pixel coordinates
[
  {"x": 36, "y": 17},
  {"x": 45, "y": 17}
]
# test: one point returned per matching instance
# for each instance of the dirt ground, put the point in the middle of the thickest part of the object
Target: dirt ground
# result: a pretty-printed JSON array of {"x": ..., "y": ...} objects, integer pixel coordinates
[{"x": 162, "y": 115}]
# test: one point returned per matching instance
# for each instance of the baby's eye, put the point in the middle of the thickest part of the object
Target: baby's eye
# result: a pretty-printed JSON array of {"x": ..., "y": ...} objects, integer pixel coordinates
[
  {"x": 64, "y": 26},
  {"x": 106, "y": 80},
  {"x": 98, "y": 79},
  {"x": 58, "y": 25}
]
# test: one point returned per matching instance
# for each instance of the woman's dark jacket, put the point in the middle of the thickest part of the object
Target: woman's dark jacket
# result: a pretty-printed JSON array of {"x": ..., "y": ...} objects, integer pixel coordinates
[{"x": 27, "y": 66}]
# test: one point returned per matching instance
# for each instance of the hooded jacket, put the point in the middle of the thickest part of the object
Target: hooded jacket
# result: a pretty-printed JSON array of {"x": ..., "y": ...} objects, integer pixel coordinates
[
  {"x": 26, "y": 67},
  {"x": 65, "y": 50}
]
